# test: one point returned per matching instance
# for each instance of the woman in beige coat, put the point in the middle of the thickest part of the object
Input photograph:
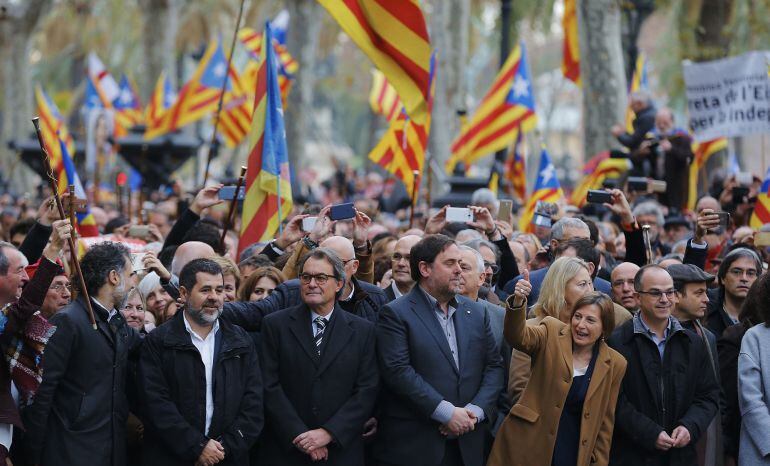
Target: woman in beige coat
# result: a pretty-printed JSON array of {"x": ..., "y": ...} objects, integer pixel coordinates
[{"x": 567, "y": 411}]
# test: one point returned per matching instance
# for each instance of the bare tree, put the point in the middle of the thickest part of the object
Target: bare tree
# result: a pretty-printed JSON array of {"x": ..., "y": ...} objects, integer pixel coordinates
[
  {"x": 601, "y": 72},
  {"x": 18, "y": 22},
  {"x": 302, "y": 42}
]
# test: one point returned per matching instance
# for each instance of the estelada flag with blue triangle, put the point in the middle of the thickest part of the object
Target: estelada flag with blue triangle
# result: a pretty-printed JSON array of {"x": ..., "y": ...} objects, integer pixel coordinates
[
  {"x": 162, "y": 98},
  {"x": 199, "y": 97},
  {"x": 53, "y": 128},
  {"x": 67, "y": 175},
  {"x": 761, "y": 214},
  {"x": 128, "y": 108},
  {"x": 547, "y": 189},
  {"x": 268, "y": 197}
]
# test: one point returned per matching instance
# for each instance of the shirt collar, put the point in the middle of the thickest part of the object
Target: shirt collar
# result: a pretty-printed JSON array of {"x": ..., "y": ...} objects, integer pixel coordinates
[
  {"x": 452, "y": 305},
  {"x": 314, "y": 316},
  {"x": 352, "y": 292},
  {"x": 396, "y": 292},
  {"x": 641, "y": 327},
  {"x": 192, "y": 332},
  {"x": 110, "y": 312}
]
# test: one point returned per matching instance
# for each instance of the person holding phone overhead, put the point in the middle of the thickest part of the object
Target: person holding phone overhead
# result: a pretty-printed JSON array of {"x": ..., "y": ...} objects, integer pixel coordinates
[{"x": 566, "y": 414}]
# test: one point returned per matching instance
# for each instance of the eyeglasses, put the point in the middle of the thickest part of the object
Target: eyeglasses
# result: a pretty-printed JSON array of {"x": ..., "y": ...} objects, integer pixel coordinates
[
  {"x": 320, "y": 278},
  {"x": 60, "y": 286},
  {"x": 751, "y": 273},
  {"x": 490, "y": 265},
  {"x": 397, "y": 257},
  {"x": 345, "y": 262},
  {"x": 657, "y": 294}
]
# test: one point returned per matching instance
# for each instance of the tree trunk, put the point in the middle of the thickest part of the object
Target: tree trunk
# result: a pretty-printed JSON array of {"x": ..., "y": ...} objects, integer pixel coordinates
[
  {"x": 18, "y": 22},
  {"x": 704, "y": 34},
  {"x": 302, "y": 41},
  {"x": 601, "y": 72},
  {"x": 159, "y": 31}
]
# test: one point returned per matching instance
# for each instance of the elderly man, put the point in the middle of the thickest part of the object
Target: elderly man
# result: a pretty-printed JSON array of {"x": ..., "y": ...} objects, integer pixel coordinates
[
  {"x": 320, "y": 372},
  {"x": 644, "y": 121},
  {"x": 402, "y": 277},
  {"x": 622, "y": 280}
]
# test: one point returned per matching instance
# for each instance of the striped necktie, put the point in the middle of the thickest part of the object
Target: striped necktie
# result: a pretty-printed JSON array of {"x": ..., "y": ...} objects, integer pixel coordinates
[{"x": 320, "y": 325}]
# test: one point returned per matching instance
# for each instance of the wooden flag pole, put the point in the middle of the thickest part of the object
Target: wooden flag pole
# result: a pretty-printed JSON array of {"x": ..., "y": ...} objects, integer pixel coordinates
[
  {"x": 71, "y": 191},
  {"x": 415, "y": 175},
  {"x": 231, "y": 212},
  {"x": 53, "y": 183},
  {"x": 222, "y": 94}
]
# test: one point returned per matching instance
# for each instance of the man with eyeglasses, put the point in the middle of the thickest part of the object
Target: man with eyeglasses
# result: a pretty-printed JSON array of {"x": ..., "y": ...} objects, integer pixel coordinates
[
  {"x": 737, "y": 272},
  {"x": 319, "y": 372},
  {"x": 402, "y": 281},
  {"x": 58, "y": 294},
  {"x": 669, "y": 394}
]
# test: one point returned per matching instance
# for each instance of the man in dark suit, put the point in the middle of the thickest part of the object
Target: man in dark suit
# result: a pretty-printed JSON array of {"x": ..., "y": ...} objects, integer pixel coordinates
[
  {"x": 79, "y": 413},
  {"x": 319, "y": 371},
  {"x": 402, "y": 281},
  {"x": 440, "y": 365}
]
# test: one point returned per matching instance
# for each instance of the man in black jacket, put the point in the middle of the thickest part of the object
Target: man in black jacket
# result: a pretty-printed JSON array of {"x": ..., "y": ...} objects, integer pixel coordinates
[
  {"x": 737, "y": 272},
  {"x": 320, "y": 372},
  {"x": 200, "y": 380},
  {"x": 669, "y": 394},
  {"x": 78, "y": 416},
  {"x": 644, "y": 122}
]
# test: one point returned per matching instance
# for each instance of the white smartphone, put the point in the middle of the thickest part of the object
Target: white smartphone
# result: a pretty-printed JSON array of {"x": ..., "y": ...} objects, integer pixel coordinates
[
  {"x": 308, "y": 223},
  {"x": 137, "y": 262},
  {"x": 459, "y": 214}
]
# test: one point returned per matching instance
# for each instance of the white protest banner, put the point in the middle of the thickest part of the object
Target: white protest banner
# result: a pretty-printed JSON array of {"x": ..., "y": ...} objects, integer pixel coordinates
[{"x": 728, "y": 97}]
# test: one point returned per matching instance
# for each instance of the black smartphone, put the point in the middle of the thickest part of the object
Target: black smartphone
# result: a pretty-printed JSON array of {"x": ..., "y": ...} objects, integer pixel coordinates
[
  {"x": 227, "y": 193},
  {"x": 596, "y": 196},
  {"x": 342, "y": 211},
  {"x": 740, "y": 194},
  {"x": 637, "y": 183}
]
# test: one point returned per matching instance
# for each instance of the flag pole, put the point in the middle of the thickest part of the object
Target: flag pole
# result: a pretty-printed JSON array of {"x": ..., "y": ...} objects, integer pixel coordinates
[
  {"x": 53, "y": 183},
  {"x": 415, "y": 174},
  {"x": 222, "y": 94},
  {"x": 71, "y": 191},
  {"x": 233, "y": 203}
]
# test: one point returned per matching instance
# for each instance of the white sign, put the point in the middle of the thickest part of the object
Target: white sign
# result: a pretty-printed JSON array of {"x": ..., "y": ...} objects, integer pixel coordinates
[{"x": 728, "y": 97}]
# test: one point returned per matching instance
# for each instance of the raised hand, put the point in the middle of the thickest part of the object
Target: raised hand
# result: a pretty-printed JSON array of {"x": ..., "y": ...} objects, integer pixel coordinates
[
  {"x": 482, "y": 219},
  {"x": 206, "y": 197},
  {"x": 522, "y": 290},
  {"x": 361, "y": 223},
  {"x": 323, "y": 225},
  {"x": 292, "y": 232},
  {"x": 436, "y": 223},
  {"x": 62, "y": 231}
]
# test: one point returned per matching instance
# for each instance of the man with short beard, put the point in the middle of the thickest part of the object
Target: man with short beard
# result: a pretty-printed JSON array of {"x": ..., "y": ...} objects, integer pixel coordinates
[
  {"x": 200, "y": 380},
  {"x": 79, "y": 413}
]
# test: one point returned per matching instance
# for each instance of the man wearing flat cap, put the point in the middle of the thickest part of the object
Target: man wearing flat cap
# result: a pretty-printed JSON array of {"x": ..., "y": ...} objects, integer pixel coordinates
[{"x": 691, "y": 284}]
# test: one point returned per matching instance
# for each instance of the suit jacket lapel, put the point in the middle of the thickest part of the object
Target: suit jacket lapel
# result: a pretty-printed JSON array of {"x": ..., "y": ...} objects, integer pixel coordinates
[
  {"x": 601, "y": 368},
  {"x": 336, "y": 337},
  {"x": 422, "y": 307},
  {"x": 101, "y": 315},
  {"x": 301, "y": 327}
]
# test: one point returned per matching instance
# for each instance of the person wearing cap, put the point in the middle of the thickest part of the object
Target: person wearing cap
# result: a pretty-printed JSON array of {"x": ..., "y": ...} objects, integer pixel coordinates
[
  {"x": 676, "y": 228},
  {"x": 58, "y": 294},
  {"x": 691, "y": 285}
]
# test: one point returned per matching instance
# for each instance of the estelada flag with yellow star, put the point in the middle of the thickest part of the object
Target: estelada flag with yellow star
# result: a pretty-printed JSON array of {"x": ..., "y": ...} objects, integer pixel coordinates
[
  {"x": 761, "y": 214},
  {"x": 547, "y": 189},
  {"x": 401, "y": 151},
  {"x": 53, "y": 129},
  {"x": 508, "y": 107},
  {"x": 393, "y": 34},
  {"x": 268, "y": 183}
]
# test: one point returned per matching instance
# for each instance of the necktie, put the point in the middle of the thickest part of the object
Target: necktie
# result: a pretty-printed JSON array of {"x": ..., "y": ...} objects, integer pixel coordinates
[{"x": 320, "y": 325}]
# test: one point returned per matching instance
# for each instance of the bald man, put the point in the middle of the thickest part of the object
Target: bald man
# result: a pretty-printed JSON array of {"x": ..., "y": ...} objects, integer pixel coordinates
[
  {"x": 622, "y": 280},
  {"x": 185, "y": 253},
  {"x": 402, "y": 281}
]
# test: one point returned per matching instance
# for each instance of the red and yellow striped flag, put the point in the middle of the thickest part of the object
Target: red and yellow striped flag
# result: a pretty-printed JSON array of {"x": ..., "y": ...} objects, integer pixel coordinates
[
  {"x": 508, "y": 107},
  {"x": 570, "y": 61},
  {"x": 638, "y": 82},
  {"x": 703, "y": 151},
  {"x": 237, "y": 107},
  {"x": 53, "y": 129},
  {"x": 287, "y": 65},
  {"x": 761, "y": 214},
  {"x": 268, "y": 185},
  {"x": 515, "y": 169},
  {"x": 383, "y": 97},
  {"x": 595, "y": 171},
  {"x": 162, "y": 98},
  {"x": 393, "y": 34}
]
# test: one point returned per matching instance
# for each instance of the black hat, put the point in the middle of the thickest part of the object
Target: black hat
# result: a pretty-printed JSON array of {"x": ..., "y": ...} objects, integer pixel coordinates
[
  {"x": 675, "y": 221},
  {"x": 689, "y": 273}
]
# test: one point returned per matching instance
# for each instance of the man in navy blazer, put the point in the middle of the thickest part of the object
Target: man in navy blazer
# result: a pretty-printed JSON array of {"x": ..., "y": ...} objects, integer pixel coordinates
[{"x": 440, "y": 366}]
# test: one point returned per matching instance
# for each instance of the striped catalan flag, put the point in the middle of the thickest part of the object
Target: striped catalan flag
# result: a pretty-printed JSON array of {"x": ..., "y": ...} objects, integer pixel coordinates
[
  {"x": 401, "y": 151},
  {"x": 761, "y": 214},
  {"x": 128, "y": 108},
  {"x": 237, "y": 107},
  {"x": 570, "y": 61},
  {"x": 162, "y": 98},
  {"x": 67, "y": 175},
  {"x": 198, "y": 98},
  {"x": 268, "y": 185},
  {"x": 383, "y": 98},
  {"x": 638, "y": 82},
  {"x": 287, "y": 65},
  {"x": 53, "y": 128},
  {"x": 515, "y": 168},
  {"x": 703, "y": 152},
  {"x": 547, "y": 189},
  {"x": 393, "y": 34},
  {"x": 599, "y": 168},
  {"x": 508, "y": 107}
]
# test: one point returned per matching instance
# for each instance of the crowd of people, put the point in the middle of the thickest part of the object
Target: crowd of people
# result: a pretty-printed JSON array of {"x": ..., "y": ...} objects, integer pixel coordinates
[{"x": 613, "y": 335}]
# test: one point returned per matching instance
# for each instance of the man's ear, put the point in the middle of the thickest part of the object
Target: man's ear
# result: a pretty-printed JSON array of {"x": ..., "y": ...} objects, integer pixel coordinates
[
  {"x": 591, "y": 268},
  {"x": 183, "y": 294},
  {"x": 340, "y": 284},
  {"x": 482, "y": 278},
  {"x": 554, "y": 243},
  {"x": 113, "y": 277},
  {"x": 424, "y": 269},
  {"x": 354, "y": 266}
]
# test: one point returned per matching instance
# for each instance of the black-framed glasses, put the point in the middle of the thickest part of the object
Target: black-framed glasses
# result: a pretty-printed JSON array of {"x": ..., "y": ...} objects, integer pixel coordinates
[
  {"x": 60, "y": 286},
  {"x": 491, "y": 265},
  {"x": 345, "y": 262},
  {"x": 320, "y": 278},
  {"x": 657, "y": 294}
]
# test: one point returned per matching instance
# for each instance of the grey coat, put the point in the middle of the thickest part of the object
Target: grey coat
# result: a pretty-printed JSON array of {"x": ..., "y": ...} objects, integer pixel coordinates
[{"x": 754, "y": 396}]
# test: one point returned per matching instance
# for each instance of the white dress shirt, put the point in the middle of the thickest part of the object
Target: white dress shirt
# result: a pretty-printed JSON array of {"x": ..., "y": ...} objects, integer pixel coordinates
[{"x": 206, "y": 348}]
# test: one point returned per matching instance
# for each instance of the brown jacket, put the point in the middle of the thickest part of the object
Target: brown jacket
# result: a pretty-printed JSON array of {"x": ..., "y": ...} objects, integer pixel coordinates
[{"x": 528, "y": 434}]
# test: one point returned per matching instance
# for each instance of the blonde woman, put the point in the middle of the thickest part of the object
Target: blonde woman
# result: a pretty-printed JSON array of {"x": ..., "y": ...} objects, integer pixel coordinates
[{"x": 232, "y": 276}]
